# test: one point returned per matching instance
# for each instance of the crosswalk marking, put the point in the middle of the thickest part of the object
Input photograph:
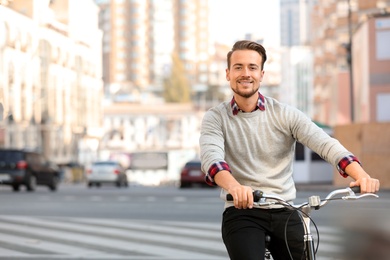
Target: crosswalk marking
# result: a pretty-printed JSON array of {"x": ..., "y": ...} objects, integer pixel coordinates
[
  {"x": 75, "y": 238},
  {"x": 130, "y": 238}
]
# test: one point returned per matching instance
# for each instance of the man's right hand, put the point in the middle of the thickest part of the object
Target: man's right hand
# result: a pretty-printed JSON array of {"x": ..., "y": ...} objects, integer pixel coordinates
[{"x": 242, "y": 196}]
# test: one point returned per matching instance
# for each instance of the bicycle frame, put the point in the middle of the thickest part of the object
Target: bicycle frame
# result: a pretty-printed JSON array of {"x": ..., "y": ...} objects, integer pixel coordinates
[{"x": 314, "y": 202}]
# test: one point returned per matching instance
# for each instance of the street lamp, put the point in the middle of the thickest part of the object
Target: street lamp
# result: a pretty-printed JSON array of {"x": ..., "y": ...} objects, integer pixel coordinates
[{"x": 348, "y": 47}]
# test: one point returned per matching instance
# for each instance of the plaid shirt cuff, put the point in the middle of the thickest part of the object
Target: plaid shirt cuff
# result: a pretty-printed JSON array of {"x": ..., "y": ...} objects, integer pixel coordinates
[
  {"x": 344, "y": 163},
  {"x": 214, "y": 169}
]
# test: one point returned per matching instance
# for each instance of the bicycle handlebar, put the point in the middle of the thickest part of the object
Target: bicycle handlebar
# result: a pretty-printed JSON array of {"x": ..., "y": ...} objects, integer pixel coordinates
[
  {"x": 313, "y": 202},
  {"x": 355, "y": 189},
  {"x": 262, "y": 199}
]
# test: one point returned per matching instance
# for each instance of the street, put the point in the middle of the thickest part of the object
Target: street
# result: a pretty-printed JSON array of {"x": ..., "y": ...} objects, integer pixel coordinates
[{"x": 150, "y": 223}]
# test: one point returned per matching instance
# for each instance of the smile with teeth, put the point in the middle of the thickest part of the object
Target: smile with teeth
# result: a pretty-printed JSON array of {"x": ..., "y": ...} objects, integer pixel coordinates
[{"x": 245, "y": 82}]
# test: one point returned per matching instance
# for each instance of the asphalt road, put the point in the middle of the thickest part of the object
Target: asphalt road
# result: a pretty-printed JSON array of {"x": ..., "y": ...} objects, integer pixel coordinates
[
  {"x": 359, "y": 224},
  {"x": 136, "y": 202},
  {"x": 165, "y": 203}
]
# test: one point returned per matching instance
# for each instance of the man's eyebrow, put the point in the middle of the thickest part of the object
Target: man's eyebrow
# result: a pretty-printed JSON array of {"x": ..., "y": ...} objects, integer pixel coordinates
[{"x": 250, "y": 64}]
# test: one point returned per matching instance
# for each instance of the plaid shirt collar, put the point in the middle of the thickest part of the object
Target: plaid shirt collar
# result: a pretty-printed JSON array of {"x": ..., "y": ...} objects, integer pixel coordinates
[{"x": 260, "y": 105}]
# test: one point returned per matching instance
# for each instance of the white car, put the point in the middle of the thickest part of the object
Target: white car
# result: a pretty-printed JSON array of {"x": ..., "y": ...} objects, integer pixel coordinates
[{"x": 106, "y": 172}]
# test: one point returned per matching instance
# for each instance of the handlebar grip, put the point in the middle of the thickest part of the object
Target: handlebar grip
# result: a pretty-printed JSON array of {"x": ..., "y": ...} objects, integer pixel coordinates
[
  {"x": 356, "y": 189},
  {"x": 257, "y": 195}
]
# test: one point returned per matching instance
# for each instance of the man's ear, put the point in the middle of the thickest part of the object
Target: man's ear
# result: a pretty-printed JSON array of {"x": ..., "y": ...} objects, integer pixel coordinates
[
  {"x": 262, "y": 75},
  {"x": 227, "y": 75}
]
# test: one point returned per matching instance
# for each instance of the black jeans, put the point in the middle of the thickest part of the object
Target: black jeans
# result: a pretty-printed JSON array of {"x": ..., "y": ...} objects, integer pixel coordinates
[{"x": 244, "y": 230}]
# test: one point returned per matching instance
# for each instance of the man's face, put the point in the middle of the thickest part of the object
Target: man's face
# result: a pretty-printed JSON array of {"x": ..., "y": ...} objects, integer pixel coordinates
[{"x": 245, "y": 72}]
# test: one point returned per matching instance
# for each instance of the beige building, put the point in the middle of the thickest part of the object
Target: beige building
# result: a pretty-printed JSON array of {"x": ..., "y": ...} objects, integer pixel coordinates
[
  {"x": 371, "y": 68},
  {"x": 141, "y": 36},
  {"x": 192, "y": 38},
  {"x": 50, "y": 77},
  {"x": 144, "y": 127},
  {"x": 331, "y": 71},
  {"x": 138, "y": 42},
  {"x": 129, "y": 27},
  {"x": 169, "y": 129}
]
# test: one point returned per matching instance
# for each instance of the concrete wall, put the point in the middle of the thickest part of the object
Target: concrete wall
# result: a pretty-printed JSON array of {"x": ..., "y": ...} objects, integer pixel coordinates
[{"x": 371, "y": 144}]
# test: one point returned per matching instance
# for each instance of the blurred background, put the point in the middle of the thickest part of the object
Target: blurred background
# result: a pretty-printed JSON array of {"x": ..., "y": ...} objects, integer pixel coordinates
[
  {"x": 129, "y": 80},
  {"x": 114, "y": 91}
]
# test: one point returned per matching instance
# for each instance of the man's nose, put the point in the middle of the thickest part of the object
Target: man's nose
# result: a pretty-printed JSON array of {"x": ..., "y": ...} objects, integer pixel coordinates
[{"x": 245, "y": 72}]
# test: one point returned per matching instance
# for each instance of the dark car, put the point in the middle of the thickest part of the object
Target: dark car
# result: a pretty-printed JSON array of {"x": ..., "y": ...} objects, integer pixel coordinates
[
  {"x": 192, "y": 175},
  {"x": 25, "y": 168}
]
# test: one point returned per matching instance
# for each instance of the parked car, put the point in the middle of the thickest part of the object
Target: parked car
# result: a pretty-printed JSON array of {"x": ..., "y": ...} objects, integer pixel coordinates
[
  {"x": 22, "y": 167},
  {"x": 192, "y": 175},
  {"x": 106, "y": 172}
]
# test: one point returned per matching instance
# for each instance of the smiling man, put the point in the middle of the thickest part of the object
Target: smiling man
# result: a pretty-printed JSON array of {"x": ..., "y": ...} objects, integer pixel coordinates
[{"x": 248, "y": 144}]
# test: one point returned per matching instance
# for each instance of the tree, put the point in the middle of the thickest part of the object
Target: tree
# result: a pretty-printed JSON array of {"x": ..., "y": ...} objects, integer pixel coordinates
[
  {"x": 214, "y": 94},
  {"x": 176, "y": 86}
]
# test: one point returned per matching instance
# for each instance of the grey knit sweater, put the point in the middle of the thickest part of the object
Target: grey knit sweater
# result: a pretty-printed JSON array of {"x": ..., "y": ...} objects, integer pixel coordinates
[{"x": 259, "y": 146}]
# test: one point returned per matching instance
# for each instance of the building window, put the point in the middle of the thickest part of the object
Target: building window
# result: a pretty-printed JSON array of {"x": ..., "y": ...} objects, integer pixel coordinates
[{"x": 120, "y": 77}]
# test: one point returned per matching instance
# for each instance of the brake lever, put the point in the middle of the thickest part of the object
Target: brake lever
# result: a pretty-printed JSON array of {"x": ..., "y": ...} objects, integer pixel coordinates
[
  {"x": 264, "y": 203},
  {"x": 355, "y": 197}
]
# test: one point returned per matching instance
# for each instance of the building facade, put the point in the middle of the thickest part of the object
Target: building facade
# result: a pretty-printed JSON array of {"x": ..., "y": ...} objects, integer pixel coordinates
[
  {"x": 141, "y": 37},
  {"x": 297, "y": 74},
  {"x": 296, "y": 54},
  {"x": 50, "y": 76},
  {"x": 371, "y": 64},
  {"x": 295, "y": 22},
  {"x": 171, "y": 129},
  {"x": 335, "y": 31}
]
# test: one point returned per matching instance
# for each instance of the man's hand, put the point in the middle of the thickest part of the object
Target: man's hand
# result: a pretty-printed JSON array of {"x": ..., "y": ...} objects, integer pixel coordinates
[
  {"x": 362, "y": 179},
  {"x": 367, "y": 185},
  {"x": 242, "y": 196}
]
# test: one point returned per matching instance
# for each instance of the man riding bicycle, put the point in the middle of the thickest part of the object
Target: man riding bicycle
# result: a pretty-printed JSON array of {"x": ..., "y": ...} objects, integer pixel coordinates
[{"x": 248, "y": 144}]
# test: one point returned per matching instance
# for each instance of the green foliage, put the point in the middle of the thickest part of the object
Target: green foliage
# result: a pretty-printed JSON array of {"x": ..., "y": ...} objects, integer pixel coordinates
[{"x": 176, "y": 86}]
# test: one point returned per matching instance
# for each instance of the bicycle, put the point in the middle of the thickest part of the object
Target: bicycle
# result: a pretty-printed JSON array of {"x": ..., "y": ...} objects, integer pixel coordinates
[{"x": 313, "y": 202}]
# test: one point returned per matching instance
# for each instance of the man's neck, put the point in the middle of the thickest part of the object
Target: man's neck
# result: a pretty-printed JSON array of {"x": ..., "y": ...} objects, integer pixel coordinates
[{"x": 247, "y": 104}]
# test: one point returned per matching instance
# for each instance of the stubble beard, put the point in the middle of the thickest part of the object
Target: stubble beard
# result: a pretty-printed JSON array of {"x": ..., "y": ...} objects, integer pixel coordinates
[{"x": 246, "y": 94}]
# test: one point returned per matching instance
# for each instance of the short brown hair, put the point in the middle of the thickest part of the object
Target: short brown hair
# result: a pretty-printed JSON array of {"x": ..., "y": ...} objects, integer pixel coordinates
[{"x": 248, "y": 45}]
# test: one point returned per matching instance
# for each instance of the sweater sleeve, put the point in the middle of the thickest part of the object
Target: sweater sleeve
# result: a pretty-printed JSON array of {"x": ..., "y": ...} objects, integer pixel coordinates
[
  {"x": 330, "y": 149},
  {"x": 211, "y": 141}
]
